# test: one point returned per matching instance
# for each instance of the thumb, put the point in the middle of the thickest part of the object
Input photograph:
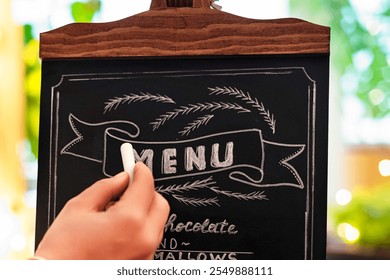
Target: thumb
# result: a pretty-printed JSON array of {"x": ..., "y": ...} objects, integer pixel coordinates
[{"x": 97, "y": 196}]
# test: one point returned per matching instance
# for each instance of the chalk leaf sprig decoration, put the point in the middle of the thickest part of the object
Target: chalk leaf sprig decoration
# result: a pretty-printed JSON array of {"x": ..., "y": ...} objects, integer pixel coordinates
[
  {"x": 259, "y": 195},
  {"x": 189, "y": 186},
  {"x": 246, "y": 97},
  {"x": 198, "y": 107},
  {"x": 191, "y": 201},
  {"x": 114, "y": 103},
  {"x": 196, "y": 124},
  {"x": 177, "y": 192}
]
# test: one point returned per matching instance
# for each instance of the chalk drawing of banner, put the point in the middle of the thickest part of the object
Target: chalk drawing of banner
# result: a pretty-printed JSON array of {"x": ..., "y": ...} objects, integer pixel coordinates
[{"x": 248, "y": 159}]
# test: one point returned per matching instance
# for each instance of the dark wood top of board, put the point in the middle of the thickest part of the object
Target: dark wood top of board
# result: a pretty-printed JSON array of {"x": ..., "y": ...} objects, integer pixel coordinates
[{"x": 184, "y": 31}]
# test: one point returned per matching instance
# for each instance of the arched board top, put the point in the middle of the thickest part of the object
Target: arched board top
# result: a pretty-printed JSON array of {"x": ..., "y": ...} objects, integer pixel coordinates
[{"x": 185, "y": 31}]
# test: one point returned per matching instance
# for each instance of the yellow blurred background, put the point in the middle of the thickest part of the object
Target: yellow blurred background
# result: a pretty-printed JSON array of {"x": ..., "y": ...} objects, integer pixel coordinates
[{"x": 359, "y": 152}]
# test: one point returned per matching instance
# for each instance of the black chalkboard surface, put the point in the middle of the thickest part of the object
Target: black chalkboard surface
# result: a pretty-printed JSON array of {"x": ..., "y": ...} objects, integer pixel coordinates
[{"x": 237, "y": 145}]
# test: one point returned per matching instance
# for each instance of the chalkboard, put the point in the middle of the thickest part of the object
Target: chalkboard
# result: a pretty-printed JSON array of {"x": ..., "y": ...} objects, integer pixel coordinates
[{"x": 237, "y": 145}]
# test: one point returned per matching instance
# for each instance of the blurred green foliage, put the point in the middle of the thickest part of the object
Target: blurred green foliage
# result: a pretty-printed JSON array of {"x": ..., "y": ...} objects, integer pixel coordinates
[
  {"x": 84, "y": 11},
  {"x": 81, "y": 12},
  {"x": 32, "y": 85},
  {"x": 360, "y": 49},
  {"x": 369, "y": 213}
]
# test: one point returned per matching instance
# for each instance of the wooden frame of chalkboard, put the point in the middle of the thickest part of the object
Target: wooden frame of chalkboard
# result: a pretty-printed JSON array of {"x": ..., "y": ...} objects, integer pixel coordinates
[{"x": 231, "y": 115}]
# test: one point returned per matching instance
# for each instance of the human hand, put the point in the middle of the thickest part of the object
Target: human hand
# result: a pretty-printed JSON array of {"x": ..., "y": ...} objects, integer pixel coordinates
[{"x": 91, "y": 226}]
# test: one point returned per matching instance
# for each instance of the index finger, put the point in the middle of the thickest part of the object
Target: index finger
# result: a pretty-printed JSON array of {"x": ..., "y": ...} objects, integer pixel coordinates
[
  {"x": 98, "y": 195},
  {"x": 140, "y": 192}
]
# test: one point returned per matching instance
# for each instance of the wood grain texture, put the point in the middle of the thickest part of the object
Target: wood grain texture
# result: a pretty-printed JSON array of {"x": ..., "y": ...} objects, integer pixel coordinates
[{"x": 184, "y": 32}]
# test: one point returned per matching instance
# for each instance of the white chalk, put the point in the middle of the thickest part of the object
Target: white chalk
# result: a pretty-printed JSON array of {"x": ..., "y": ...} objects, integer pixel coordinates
[{"x": 128, "y": 159}]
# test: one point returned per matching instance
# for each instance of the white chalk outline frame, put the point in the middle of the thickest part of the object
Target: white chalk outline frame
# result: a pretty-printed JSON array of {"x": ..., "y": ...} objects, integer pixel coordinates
[{"x": 311, "y": 133}]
